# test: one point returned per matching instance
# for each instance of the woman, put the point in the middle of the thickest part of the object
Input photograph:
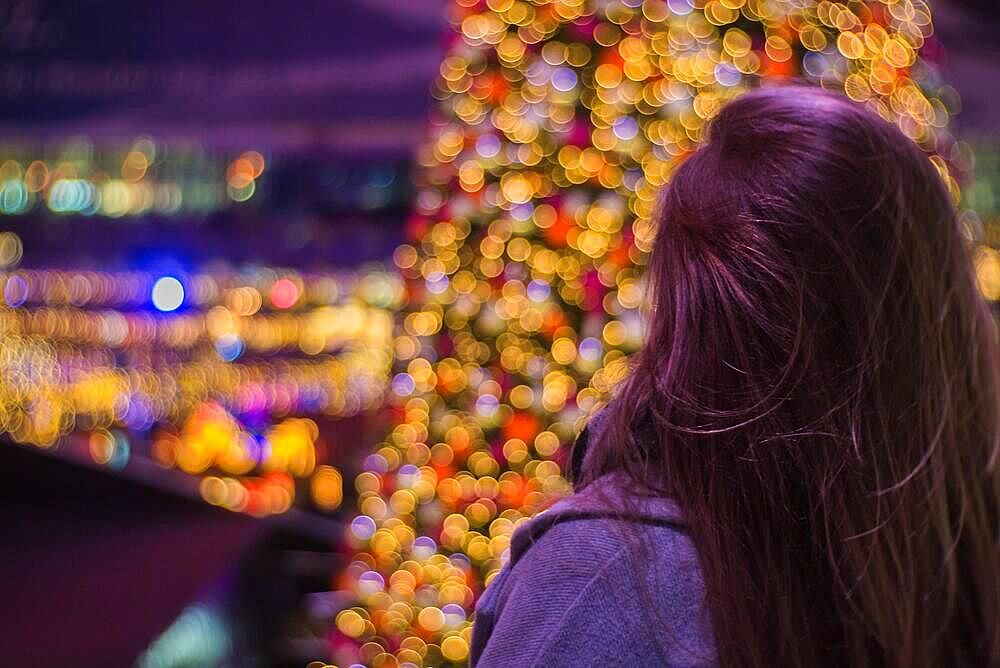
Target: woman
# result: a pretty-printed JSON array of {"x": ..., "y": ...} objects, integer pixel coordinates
[{"x": 801, "y": 468}]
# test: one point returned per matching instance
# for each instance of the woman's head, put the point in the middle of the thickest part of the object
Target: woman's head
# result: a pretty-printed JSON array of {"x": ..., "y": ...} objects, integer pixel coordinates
[{"x": 819, "y": 390}]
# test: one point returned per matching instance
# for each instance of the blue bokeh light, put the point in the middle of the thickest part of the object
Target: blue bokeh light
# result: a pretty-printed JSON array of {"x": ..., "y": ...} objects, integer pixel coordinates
[
  {"x": 168, "y": 294},
  {"x": 229, "y": 347}
]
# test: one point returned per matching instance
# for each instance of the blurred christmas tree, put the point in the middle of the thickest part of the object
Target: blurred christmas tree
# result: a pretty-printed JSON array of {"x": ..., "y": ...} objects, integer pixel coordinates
[{"x": 558, "y": 121}]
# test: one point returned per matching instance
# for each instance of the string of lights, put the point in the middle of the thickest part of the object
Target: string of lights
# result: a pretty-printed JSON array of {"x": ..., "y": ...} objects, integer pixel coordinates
[
  {"x": 213, "y": 373},
  {"x": 245, "y": 292},
  {"x": 142, "y": 178}
]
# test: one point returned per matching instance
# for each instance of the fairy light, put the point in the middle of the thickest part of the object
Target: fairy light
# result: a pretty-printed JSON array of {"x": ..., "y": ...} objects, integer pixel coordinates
[
  {"x": 168, "y": 294},
  {"x": 143, "y": 177},
  {"x": 198, "y": 369}
]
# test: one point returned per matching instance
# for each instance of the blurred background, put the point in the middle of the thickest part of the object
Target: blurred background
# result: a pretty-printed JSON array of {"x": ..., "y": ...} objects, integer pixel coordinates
[{"x": 201, "y": 206}]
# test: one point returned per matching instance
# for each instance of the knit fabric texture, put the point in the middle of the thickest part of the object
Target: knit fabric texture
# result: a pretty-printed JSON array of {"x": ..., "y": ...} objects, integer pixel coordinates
[{"x": 602, "y": 578}]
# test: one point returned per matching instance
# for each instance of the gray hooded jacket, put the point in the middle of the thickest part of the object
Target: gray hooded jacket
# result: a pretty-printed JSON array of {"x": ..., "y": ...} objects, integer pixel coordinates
[{"x": 602, "y": 578}]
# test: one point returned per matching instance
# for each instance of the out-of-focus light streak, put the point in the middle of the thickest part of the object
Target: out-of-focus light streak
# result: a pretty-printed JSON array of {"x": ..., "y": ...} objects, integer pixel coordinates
[
  {"x": 220, "y": 389},
  {"x": 140, "y": 178}
]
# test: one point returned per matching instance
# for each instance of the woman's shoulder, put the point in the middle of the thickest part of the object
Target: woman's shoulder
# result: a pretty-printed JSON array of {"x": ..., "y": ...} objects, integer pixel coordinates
[
  {"x": 576, "y": 570},
  {"x": 603, "y": 515}
]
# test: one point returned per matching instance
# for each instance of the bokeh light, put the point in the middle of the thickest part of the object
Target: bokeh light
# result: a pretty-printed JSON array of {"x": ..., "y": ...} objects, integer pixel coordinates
[
  {"x": 217, "y": 389},
  {"x": 168, "y": 294},
  {"x": 143, "y": 177}
]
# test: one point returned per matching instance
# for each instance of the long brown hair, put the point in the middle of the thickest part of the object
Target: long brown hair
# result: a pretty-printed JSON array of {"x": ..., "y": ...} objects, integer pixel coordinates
[{"x": 819, "y": 392}]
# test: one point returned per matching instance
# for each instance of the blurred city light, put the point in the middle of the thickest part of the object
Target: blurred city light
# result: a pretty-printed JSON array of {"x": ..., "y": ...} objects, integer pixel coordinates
[{"x": 168, "y": 294}]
